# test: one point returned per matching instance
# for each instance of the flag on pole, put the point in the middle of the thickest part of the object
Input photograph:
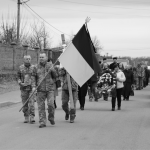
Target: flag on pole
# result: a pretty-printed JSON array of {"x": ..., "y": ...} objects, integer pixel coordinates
[{"x": 79, "y": 58}]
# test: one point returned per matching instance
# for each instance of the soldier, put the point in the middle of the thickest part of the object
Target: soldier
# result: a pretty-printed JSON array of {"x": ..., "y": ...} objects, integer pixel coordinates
[
  {"x": 24, "y": 80},
  {"x": 140, "y": 75},
  {"x": 65, "y": 96},
  {"x": 45, "y": 89}
]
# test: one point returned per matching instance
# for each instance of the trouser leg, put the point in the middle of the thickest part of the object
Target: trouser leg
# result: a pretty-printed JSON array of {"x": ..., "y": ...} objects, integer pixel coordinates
[
  {"x": 82, "y": 101},
  {"x": 73, "y": 110},
  {"x": 119, "y": 91},
  {"x": 90, "y": 93},
  {"x": 93, "y": 90},
  {"x": 113, "y": 101},
  {"x": 31, "y": 105},
  {"x": 24, "y": 97},
  {"x": 65, "y": 100},
  {"x": 51, "y": 107},
  {"x": 41, "y": 96}
]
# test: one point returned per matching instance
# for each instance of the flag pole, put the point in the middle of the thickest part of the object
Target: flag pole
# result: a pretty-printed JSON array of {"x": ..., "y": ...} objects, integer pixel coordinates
[
  {"x": 70, "y": 92},
  {"x": 69, "y": 88}
]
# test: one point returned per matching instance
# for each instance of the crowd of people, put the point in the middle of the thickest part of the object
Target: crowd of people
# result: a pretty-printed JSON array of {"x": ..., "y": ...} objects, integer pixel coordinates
[
  {"x": 116, "y": 81},
  {"x": 44, "y": 79}
]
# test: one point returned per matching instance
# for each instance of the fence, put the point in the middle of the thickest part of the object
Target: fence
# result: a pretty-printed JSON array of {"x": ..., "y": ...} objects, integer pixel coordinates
[{"x": 11, "y": 57}]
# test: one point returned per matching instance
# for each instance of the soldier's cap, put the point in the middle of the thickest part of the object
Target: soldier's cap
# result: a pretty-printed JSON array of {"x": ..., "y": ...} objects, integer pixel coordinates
[{"x": 114, "y": 57}]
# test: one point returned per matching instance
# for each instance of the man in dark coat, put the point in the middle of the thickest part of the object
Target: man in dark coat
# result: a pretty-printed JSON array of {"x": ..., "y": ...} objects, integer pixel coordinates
[
  {"x": 111, "y": 66},
  {"x": 146, "y": 75},
  {"x": 128, "y": 83}
]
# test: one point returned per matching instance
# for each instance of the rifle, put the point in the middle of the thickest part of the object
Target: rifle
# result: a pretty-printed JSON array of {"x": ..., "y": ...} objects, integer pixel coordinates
[{"x": 37, "y": 86}]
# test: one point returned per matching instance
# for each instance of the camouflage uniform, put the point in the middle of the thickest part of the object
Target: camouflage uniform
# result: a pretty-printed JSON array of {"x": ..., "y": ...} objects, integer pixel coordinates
[
  {"x": 65, "y": 97},
  {"x": 140, "y": 75},
  {"x": 24, "y": 74},
  {"x": 45, "y": 91}
]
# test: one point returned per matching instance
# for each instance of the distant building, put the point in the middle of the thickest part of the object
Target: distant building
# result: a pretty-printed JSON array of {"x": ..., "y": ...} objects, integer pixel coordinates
[{"x": 123, "y": 61}]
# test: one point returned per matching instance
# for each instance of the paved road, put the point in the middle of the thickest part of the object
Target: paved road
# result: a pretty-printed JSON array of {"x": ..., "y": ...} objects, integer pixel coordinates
[{"x": 95, "y": 128}]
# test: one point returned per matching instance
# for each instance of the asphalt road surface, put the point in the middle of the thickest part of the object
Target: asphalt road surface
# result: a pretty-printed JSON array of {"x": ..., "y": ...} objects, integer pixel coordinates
[{"x": 95, "y": 128}]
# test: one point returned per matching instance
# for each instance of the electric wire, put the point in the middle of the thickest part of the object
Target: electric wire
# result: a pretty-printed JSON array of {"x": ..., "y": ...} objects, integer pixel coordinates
[
  {"x": 99, "y": 5},
  {"x": 45, "y": 20}
]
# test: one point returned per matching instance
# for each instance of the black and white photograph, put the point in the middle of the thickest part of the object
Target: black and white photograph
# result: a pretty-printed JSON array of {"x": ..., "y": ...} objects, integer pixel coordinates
[{"x": 74, "y": 74}]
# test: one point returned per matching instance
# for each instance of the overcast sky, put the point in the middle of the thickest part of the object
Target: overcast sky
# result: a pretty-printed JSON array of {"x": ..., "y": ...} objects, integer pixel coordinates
[{"x": 122, "y": 26}]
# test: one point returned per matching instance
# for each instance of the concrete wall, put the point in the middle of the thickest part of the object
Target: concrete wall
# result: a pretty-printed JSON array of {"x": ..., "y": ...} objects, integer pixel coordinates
[{"x": 12, "y": 57}]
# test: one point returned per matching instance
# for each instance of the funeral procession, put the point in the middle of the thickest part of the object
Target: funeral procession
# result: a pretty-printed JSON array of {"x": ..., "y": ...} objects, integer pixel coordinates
[{"x": 75, "y": 75}]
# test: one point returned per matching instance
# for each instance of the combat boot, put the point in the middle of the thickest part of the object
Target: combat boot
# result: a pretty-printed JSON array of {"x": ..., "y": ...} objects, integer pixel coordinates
[
  {"x": 26, "y": 120},
  {"x": 72, "y": 115},
  {"x": 32, "y": 119}
]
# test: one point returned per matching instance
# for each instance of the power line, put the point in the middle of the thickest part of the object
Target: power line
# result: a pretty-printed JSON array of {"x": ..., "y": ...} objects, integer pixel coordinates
[
  {"x": 36, "y": 16},
  {"x": 124, "y": 50},
  {"x": 99, "y": 5},
  {"x": 97, "y": 12},
  {"x": 46, "y": 21}
]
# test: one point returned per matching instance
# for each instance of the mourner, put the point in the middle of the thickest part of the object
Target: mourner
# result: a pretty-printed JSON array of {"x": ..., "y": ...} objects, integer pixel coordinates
[
  {"x": 121, "y": 67},
  {"x": 104, "y": 62},
  {"x": 92, "y": 83},
  {"x": 65, "y": 96},
  {"x": 128, "y": 83},
  {"x": 105, "y": 81},
  {"x": 140, "y": 75},
  {"x": 25, "y": 73},
  {"x": 120, "y": 77},
  {"x": 45, "y": 89}
]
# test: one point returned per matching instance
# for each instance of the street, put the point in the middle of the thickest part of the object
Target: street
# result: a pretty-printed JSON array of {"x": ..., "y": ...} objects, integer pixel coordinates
[{"x": 95, "y": 128}]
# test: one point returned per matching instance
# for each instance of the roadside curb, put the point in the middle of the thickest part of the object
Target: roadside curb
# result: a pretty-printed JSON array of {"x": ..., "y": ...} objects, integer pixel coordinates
[{"x": 7, "y": 103}]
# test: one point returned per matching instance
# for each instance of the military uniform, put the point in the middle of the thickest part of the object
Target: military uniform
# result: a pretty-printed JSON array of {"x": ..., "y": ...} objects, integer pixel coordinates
[
  {"x": 45, "y": 91},
  {"x": 24, "y": 74},
  {"x": 140, "y": 75},
  {"x": 65, "y": 96}
]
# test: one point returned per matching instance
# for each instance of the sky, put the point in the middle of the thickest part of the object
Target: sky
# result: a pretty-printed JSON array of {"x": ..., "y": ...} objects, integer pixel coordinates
[{"x": 122, "y": 26}]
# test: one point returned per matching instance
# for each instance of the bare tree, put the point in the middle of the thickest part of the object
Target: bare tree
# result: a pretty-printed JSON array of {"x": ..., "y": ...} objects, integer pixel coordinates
[
  {"x": 8, "y": 29},
  {"x": 39, "y": 37},
  {"x": 97, "y": 45}
]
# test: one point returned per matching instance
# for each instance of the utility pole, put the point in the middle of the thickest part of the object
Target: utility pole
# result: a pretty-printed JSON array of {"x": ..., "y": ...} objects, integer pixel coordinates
[{"x": 18, "y": 21}]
